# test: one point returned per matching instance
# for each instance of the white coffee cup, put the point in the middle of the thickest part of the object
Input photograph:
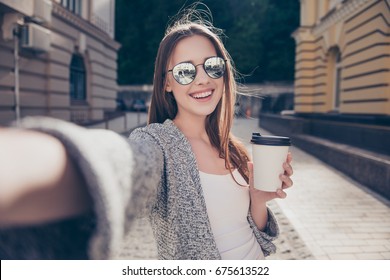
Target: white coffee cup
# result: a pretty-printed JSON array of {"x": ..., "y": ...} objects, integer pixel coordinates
[{"x": 269, "y": 153}]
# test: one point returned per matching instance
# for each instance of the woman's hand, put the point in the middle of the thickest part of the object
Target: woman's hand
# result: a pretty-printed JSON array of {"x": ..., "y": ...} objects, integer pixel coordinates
[
  {"x": 38, "y": 181},
  {"x": 262, "y": 196},
  {"x": 259, "y": 198}
]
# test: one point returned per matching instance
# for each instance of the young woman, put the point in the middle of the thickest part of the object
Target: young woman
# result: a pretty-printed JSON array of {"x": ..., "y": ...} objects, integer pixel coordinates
[{"x": 185, "y": 168}]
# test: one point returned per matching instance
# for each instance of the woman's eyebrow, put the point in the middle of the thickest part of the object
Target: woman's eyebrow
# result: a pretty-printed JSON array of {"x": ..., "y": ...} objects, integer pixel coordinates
[{"x": 186, "y": 61}]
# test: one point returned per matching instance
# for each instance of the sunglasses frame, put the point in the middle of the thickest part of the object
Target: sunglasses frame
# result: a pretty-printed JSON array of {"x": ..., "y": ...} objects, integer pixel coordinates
[{"x": 196, "y": 72}]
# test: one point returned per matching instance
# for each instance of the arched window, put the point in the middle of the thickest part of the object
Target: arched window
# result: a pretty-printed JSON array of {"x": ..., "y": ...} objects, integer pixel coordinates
[{"x": 77, "y": 79}]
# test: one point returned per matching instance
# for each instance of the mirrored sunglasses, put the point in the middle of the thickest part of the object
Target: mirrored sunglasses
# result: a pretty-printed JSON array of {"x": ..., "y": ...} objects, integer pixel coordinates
[{"x": 185, "y": 72}]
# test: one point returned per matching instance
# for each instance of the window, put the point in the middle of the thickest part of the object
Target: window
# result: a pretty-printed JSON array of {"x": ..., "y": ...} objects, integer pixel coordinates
[
  {"x": 335, "y": 69},
  {"x": 72, "y": 5},
  {"x": 77, "y": 79},
  {"x": 337, "y": 79}
]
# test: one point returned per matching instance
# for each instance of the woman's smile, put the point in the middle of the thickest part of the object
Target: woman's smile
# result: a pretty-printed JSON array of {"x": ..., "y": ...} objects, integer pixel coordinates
[{"x": 202, "y": 96}]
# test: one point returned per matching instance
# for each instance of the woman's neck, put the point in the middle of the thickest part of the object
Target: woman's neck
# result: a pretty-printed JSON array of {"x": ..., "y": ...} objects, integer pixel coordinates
[{"x": 192, "y": 128}]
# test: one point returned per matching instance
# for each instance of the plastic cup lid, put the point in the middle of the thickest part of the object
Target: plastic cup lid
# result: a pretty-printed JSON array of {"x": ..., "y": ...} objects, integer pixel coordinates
[{"x": 270, "y": 140}]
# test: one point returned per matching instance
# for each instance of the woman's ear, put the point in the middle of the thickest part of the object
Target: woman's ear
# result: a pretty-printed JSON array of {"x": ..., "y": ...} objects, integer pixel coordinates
[{"x": 168, "y": 86}]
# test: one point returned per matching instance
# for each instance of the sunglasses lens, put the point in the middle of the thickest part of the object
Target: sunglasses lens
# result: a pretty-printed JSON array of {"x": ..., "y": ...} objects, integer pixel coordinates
[
  {"x": 184, "y": 73},
  {"x": 215, "y": 67}
]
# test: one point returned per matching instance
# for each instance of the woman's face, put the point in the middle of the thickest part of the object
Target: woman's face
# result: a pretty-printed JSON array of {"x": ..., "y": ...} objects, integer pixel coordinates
[{"x": 201, "y": 96}]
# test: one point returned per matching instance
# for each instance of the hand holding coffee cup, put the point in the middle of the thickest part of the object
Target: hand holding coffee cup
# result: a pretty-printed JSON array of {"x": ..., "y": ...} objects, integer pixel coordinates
[{"x": 271, "y": 168}]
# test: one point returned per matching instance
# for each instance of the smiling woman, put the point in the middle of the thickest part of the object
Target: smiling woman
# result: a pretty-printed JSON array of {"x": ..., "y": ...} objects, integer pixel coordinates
[
  {"x": 182, "y": 169},
  {"x": 197, "y": 83}
]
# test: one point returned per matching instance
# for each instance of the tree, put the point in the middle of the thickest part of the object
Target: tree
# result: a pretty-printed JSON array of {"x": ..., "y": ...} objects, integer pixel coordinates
[
  {"x": 282, "y": 18},
  {"x": 258, "y": 36}
]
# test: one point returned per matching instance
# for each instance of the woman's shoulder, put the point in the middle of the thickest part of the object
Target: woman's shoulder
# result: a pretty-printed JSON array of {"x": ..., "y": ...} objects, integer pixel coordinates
[
  {"x": 155, "y": 130},
  {"x": 167, "y": 135}
]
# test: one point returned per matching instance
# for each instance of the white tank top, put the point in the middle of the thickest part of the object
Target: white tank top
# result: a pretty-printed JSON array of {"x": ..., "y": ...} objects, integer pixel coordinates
[{"x": 227, "y": 206}]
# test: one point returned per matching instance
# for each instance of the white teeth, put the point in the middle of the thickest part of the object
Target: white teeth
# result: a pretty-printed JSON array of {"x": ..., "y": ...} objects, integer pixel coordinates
[{"x": 201, "y": 94}]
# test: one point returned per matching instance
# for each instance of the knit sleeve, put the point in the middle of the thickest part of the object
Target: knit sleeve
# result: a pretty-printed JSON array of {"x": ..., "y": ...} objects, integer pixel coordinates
[
  {"x": 120, "y": 175},
  {"x": 147, "y": 171},
  {"x": 269, "y": 234}
]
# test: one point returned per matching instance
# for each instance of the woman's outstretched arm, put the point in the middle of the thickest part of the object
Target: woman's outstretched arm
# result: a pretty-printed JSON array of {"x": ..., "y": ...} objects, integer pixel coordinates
[
  {"x": 38, "y": 181},
  {"x": 54, "y": 169}
]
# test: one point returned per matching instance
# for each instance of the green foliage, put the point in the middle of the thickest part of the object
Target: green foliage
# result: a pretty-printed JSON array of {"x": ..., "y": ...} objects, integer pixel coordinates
[{"x": 258, "y": 36}]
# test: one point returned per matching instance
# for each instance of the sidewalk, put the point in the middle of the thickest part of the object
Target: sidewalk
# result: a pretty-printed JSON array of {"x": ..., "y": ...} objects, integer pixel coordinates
[{"x": 328, "y": 215}]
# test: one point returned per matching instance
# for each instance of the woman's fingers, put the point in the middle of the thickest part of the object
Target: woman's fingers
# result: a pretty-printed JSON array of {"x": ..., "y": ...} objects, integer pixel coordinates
[
  {"x": 288, "y": 169},
  {"x": 280, "y": 193},
  {"x": 287, "y": 165},
  {"x": 287, "y": 182},
  {"x": 288, "y": 172},
  {"x": 289, "y": 157}
]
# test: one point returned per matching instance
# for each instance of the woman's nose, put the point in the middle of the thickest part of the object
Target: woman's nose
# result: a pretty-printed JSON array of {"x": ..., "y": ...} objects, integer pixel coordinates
[{"x": 201, "y": 76}]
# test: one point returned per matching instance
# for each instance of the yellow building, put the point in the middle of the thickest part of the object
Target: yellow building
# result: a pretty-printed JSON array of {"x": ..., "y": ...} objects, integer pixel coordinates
[{"x": 343, "y": 57}]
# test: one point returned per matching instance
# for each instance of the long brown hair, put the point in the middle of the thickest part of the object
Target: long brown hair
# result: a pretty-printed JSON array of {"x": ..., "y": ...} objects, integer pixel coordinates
[{"x": 219, "y": 123}]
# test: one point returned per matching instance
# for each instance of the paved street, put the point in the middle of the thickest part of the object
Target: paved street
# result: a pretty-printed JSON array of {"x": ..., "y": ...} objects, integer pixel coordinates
[{"x": 325, "y": 215}]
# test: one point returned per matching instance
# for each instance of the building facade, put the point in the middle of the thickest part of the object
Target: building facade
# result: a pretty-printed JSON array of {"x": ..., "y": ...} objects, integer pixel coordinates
[
  {"x": 57, "y": 58},
  {"x": 343, "y": 57}
]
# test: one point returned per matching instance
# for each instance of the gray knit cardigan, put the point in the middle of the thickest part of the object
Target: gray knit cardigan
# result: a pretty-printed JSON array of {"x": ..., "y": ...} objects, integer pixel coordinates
[
  {"x": 154, "y": 172},
  {"x": 178, "y": 214}
]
